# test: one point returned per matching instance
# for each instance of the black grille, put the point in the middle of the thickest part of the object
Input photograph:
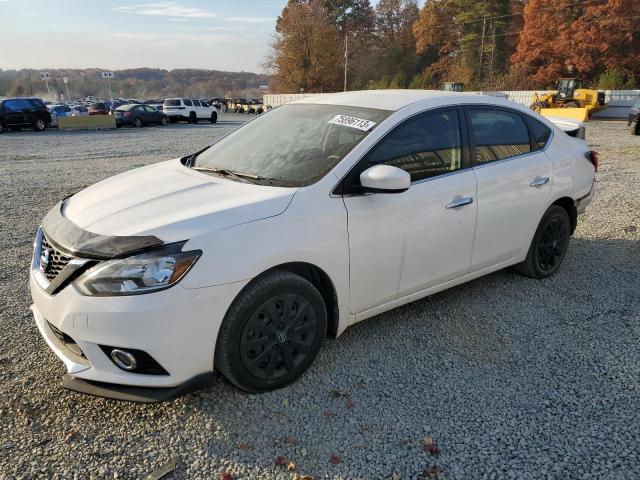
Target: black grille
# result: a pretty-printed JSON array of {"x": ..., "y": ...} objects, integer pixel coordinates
[
  {"x": 57, "y": 260},
  {"x": 66, "y": 340}
]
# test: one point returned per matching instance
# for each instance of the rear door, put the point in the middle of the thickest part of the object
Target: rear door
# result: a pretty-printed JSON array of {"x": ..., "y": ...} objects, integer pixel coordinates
[{"x": 514, "y": 178}]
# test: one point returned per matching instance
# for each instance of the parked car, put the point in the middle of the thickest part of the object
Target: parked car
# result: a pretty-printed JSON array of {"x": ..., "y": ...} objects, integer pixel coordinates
[
  {"x": 139, "y": 116},
  {"x": 190, "y": 109},
  {"x": 99, "y": 108},
  {"x": 58, "y": 111},
  {"x": 322, "y": 213},
  {"x": 633, "y": 119},
  {"x": 17, "y": 113}
]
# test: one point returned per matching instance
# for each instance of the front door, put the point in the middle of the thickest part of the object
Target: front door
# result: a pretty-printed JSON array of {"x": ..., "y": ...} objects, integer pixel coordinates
[
  {"x": 402, "y": 243},
  {"x": 514, "y": 183}
]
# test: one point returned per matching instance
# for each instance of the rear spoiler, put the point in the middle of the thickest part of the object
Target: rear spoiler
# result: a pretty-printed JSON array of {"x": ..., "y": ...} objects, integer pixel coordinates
[{"x": 573, "y": 128}]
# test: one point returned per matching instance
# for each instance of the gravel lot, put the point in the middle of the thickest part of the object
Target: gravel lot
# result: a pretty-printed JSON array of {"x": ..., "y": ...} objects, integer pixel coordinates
[{"x": 512, "y": 377}]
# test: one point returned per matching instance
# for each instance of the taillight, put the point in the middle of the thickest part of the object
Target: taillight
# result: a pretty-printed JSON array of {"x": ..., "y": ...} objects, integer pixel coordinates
[
  {"x": 593, "y": 157},
  {"x": 127, "y": 114}
]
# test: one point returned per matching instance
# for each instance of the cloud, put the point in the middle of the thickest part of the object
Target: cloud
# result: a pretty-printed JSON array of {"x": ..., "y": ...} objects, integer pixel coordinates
[{"x": 166, "y": 9}]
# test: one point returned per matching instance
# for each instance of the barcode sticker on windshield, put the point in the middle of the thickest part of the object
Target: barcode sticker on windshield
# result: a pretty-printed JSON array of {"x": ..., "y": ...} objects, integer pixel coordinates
[{"x": 353, "y": 122}]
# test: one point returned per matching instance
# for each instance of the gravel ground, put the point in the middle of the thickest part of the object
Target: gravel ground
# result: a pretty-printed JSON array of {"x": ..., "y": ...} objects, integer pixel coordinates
[{"x": 512, "y": 377}]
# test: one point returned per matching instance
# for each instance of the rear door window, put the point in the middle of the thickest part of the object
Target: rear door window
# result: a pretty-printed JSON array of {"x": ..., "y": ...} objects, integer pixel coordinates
[
  {"x": 188, "y": 102},
  {"x": 497, "y": 135}
]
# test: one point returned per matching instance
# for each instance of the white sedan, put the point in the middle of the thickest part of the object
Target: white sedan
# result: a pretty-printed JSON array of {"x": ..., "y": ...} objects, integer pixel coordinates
[{"x": 315, "y": 216}]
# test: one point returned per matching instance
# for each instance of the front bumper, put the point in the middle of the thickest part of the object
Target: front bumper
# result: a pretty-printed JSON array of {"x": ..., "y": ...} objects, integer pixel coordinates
[{"x": 177, "y": 327}]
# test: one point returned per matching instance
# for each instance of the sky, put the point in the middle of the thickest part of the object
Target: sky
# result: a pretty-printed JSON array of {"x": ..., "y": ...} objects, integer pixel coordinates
[{"x": 231, "y": 35}]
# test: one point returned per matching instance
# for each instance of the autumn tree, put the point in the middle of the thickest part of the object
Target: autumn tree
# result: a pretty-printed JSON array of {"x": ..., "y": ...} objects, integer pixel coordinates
[
  {"x": 397, "y": 59},
  {"x": 306, "y": 53},
  {"x": 605, "y": 38}
]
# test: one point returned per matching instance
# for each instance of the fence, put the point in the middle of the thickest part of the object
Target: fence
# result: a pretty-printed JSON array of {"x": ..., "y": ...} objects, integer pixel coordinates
[{"x": 620, "y": 101}]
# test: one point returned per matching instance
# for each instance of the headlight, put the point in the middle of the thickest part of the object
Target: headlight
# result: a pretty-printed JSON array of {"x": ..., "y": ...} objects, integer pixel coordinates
[{"x": 143, "y": 273}]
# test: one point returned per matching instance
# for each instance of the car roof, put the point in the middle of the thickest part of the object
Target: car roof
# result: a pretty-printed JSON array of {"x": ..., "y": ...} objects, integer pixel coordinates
[{"x": 389, "y": 99}]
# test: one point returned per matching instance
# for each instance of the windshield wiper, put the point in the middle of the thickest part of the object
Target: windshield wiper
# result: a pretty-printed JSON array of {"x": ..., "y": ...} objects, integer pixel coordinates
[{"x": 239, "y": 176}]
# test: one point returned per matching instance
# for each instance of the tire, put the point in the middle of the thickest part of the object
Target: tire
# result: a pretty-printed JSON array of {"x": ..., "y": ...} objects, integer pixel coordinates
[
  {"x": 549, "y": 244},
  {"x": 118, "y": 125},
  {"x": 214, "y": 117},
  {"x": 537, "y": 106},
  {"x": 138, "y": 123},
  {"x": 193, "y": 118},
  {"x": 164, "y": 122},
  {"x": 633, "y": 128},
  {"x": 256, "y": 350},
  {"x": 39, "y": 125}
]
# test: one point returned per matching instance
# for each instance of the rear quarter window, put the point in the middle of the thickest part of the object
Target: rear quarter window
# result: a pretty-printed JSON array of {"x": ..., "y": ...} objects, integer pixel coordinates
[{"x": 541, "y": 133}]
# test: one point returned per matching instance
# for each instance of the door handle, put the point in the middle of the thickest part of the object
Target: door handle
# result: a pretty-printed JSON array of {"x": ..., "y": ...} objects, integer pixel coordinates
[
  {"x": 539, "y": 181},
  {"x": 460, "y": 202}
]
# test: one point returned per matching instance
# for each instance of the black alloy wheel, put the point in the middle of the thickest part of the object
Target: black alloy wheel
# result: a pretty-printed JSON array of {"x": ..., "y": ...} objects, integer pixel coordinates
[
  {"x": 278, "y": 336},
  {"x": 137, "y": 123},
  {"x": 164, "y": 121},
  {"x": 272, "y": 332},
  {"x": 553, "y": 244},
  {"x": 549, "y": 244}
]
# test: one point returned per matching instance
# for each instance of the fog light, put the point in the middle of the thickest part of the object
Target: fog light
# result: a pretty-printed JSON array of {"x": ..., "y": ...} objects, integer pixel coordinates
[{"x": 123, "y": 359}]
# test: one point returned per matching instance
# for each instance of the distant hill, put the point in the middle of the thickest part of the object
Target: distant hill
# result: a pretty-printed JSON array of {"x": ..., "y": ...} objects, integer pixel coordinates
[{"x": 133, "y": 83}]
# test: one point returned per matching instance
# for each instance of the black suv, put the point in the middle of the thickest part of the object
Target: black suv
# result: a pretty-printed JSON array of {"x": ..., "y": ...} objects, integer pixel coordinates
[
  {"x": 17, "y": 113},
  {"x": 634, "y": 118}
]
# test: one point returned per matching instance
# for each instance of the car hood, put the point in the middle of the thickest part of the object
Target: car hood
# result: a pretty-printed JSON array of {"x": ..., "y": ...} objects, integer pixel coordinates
[{"x": 171, "y": 202}]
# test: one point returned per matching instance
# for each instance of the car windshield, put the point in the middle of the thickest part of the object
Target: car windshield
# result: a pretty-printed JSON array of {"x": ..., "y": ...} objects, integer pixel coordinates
[{"x": 293, "y": 145}]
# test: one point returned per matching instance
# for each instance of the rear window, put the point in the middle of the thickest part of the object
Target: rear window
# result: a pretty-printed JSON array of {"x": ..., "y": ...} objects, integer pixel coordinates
[
  {"x": 36, "y": 102},
  {"x": 498, "y": 135},
  {"x": 172, "y": 103},
  {"x": 187, "y": 102},
  {"x": 17, "y": 105},
  {"x": 124, "y": 108}
]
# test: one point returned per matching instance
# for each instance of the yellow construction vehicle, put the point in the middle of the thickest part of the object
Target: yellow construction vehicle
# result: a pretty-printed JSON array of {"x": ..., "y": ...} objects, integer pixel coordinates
[{"x": 569, "y": 101}]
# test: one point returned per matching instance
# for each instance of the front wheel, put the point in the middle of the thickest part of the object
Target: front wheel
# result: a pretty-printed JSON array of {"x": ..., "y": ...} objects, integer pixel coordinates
[
  {"x": 164, "y": 122},
  {"x": 549, "y": 244},
  {"x": 537, "y": 106},
  {"x": 271, "y": 333},
  {"x": 214, "y": 117},
  {"x": 633, "y": 128},
  {"x": 193, "y": 118},
  {"x": 137, "y": 123}
]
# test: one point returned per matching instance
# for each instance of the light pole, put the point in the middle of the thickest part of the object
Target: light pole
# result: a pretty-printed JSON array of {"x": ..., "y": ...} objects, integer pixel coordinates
[
  {"x": 346, "y": 58},
  {"x": 346, "y": 45}
]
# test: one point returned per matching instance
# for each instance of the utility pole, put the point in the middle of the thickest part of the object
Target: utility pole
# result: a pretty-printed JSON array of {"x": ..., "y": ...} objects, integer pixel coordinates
[
  {"x": 30, "y": 84},
  {"x": 484, "y": 24},
  {"x": 346, "y": 57}
]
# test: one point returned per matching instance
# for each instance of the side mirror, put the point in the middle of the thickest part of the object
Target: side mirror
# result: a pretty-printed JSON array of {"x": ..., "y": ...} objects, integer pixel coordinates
[{"x": 385, "y": 179}]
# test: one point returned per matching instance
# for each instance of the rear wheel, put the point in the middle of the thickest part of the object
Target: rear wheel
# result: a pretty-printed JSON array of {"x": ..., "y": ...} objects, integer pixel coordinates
[
  {"x": 137, "y": 123},
  {"x": 633, "y": 128},
  {"x": 193, "y": 118},
  {"x": 214, "y": 117},
  {"x": 39, "y": 125},
  {"x": 271, "y": 333},
  {"x": 549, "y": 244}
]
